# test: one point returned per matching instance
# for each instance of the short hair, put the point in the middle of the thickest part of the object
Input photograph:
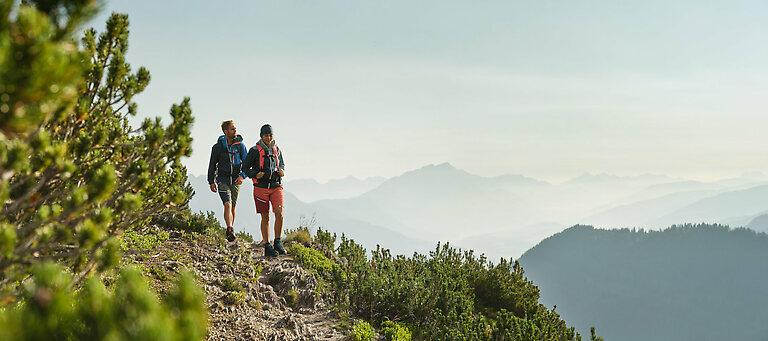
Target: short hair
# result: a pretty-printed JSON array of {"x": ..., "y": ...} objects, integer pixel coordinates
[{"x": 226, "y": 124}]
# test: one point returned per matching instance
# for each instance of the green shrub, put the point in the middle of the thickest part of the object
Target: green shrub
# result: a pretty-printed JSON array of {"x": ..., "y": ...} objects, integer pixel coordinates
[
  {"x": 75, "y": 173},
  {"x": 325, "y": 238},
  {"x": 445, "y": 295},
  {"x": 159, "y": 273},
  {"x": 292, "y": 298},
  {"x": 49, "y": 310},
  {"x": 316, "y": 262},
  {"x": 394, "y": 331},
  {"x": 134, "y": 240},
  {"x": 300, "y": 235},
  {"x": 234, "y": 298},
  {"x": 362, "y": 331},
  {"x": 189, "y": 222},
  {"x": 244, "y": 236},
  {"x": 229, "y": 284}
]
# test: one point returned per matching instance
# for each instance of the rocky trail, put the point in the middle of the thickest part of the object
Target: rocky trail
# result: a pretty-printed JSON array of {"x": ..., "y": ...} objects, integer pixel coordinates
[{"x": 249, "y": 296}]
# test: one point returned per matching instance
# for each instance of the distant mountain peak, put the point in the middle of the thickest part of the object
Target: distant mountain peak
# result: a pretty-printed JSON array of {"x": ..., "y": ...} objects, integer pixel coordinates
[
  {"x": 441, "y": 168},
  {"x": 753, "y": 175},
  {"x": 647, "y": 178},
  {"x": 444, "y": 165}
]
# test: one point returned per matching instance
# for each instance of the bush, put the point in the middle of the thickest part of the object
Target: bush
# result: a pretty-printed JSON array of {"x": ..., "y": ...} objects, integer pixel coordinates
[
  {"x": 394, "y": 331},
  {"x": 50, "y": 311},
  {"x": 234, "y": 298},
  {"x": 291, "y": 298},
  {"x": 445, "y": 295},
  {"x": 73, "y": 173},
  {"x": 325, "y": 238},
  {"x": 244, "y": 236},
  {"x": 159, "y": 273},
  {"x": 229, "y": 284},
  {"x": 362, "y": 331},
  {"x": 316, "y": 262},
  {"x": 134, "y": 240},
  {"x": 189, "y": 222},
  {"x": 299, "y": 235}
]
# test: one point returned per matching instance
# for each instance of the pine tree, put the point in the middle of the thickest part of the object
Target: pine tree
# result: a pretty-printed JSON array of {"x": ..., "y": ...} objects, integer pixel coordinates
[
  {"x": 131, "y": 312},
  {"x": 74, "y": 173}
]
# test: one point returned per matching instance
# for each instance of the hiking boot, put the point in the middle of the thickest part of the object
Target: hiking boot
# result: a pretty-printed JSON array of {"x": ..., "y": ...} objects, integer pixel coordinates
[
  {"x": 269, "y": 251},
  {"x": 279, "y": 246},
  {"x": 230, "y": 234}
]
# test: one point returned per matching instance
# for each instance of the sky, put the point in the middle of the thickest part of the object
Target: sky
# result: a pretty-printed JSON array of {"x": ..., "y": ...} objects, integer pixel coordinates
[{"x": 548, "y": 89}]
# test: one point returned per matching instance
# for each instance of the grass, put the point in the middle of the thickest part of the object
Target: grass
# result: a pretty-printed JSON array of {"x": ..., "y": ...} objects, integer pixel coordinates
[
  {"x": 159, "y": 273},
  {"x": 231, "y": 285},
  {"x": 292, "y": 298},
  {"x": 234, "y": 298},
  {"x": 313, "y": 260},
  {"x": 131, "y": 239},
  {"x": 299, "y": 235},
  {"x": 245, "y": 236}
]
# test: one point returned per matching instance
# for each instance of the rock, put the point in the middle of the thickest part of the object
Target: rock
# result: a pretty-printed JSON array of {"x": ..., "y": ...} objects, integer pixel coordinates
[{"x": 264, "y": 313}]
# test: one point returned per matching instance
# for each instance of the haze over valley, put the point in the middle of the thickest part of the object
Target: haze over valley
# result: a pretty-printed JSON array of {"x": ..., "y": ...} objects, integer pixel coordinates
[{"x": 500, "y": 216}]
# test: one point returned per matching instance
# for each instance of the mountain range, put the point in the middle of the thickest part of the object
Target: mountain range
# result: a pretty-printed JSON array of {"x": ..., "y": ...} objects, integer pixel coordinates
[
  {"x": 649, "y": 282},
  {"x": 504, "y": 215},
  {"x": 691, "y": 282}
]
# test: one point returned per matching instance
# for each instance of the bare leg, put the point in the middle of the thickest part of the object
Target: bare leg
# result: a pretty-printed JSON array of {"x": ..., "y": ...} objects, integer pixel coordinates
[
  {"x": 265, "y": 227},
  {"x": 229, "y": 217},
  {"x": 278, "y": 221}
]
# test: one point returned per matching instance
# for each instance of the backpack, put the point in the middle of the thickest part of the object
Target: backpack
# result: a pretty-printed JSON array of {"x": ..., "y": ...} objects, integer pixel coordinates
[{"x": 262, "y": 155}]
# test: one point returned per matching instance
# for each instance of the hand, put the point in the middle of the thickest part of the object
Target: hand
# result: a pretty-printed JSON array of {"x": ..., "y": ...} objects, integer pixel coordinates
[
  {"x": 239, "y": 180},
  {"x": 259, "y": 175},
  {"x": 213, "y": 187},
  {"x": 280, "y": 172}
]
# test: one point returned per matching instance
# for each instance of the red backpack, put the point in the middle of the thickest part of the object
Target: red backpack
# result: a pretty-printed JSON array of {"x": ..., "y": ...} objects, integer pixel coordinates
[{"x": 262, "y": 155}]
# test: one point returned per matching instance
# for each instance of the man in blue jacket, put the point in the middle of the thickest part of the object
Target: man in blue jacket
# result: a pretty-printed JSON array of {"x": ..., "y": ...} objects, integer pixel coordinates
[{"x": 225, "y": 171}]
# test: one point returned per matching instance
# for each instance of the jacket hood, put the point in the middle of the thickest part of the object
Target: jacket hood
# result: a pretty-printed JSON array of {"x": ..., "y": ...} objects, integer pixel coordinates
[{"x": 223, "y": 140}]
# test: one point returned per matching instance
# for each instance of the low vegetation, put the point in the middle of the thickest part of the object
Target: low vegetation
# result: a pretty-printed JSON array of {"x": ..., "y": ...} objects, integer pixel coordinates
[
  {"x": 299, "y": 235},
  {"x": 362, "y": 331},
  {"x": 51, "y": 311},
  {"x": 394, "y": 331},
  {"x": 447, "y": 294},
  {"x": 229, "y": 284}
]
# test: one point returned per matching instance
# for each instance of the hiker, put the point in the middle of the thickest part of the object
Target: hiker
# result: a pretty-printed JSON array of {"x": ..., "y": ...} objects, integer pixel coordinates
[
  {"x": 264, "y": 165},
  {"x": 225, "y": 167}
]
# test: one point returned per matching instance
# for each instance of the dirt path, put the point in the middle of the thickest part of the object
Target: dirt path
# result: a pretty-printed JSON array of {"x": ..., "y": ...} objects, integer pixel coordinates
[{"x": 281, "y": 303}]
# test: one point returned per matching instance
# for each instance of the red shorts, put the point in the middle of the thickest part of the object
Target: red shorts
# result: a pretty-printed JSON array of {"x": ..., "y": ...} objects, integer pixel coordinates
[{"x": 264, "y": 196}]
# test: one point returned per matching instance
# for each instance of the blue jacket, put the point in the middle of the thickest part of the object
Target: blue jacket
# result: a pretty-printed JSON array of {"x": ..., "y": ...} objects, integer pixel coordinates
[
  {"x": 267, "y": 159},
  {"x": 226, "y": 161}
]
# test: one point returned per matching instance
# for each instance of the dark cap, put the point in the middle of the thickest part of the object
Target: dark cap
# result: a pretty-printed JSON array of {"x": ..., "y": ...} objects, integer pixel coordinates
[{"x": 266, "y": 129}]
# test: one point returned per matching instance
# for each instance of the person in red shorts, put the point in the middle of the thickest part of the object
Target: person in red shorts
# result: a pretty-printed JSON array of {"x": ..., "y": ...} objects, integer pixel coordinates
[{"x": 264, "y": 165}]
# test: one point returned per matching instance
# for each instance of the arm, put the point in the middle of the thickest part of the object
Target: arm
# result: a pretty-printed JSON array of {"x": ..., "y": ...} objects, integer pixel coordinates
[
  {"x": 242, "y": 153},
  {"x": 281, "y": 171},
  {"x": 249, "y": 165},
  {"x": 212, "y": 165}
]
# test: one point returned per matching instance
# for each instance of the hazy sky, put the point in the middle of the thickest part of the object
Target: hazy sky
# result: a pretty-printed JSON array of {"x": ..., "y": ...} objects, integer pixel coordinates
[{"x": 549, "y": 89}]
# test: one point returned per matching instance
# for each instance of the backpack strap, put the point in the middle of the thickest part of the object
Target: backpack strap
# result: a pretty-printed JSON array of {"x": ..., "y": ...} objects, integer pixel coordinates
[
  {"x": 274, "y": 153},
  {"x": 261, "y": 156}
]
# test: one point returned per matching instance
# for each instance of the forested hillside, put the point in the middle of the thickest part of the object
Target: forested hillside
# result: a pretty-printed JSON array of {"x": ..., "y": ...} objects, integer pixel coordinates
[{"x": 691, "y": 282}]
